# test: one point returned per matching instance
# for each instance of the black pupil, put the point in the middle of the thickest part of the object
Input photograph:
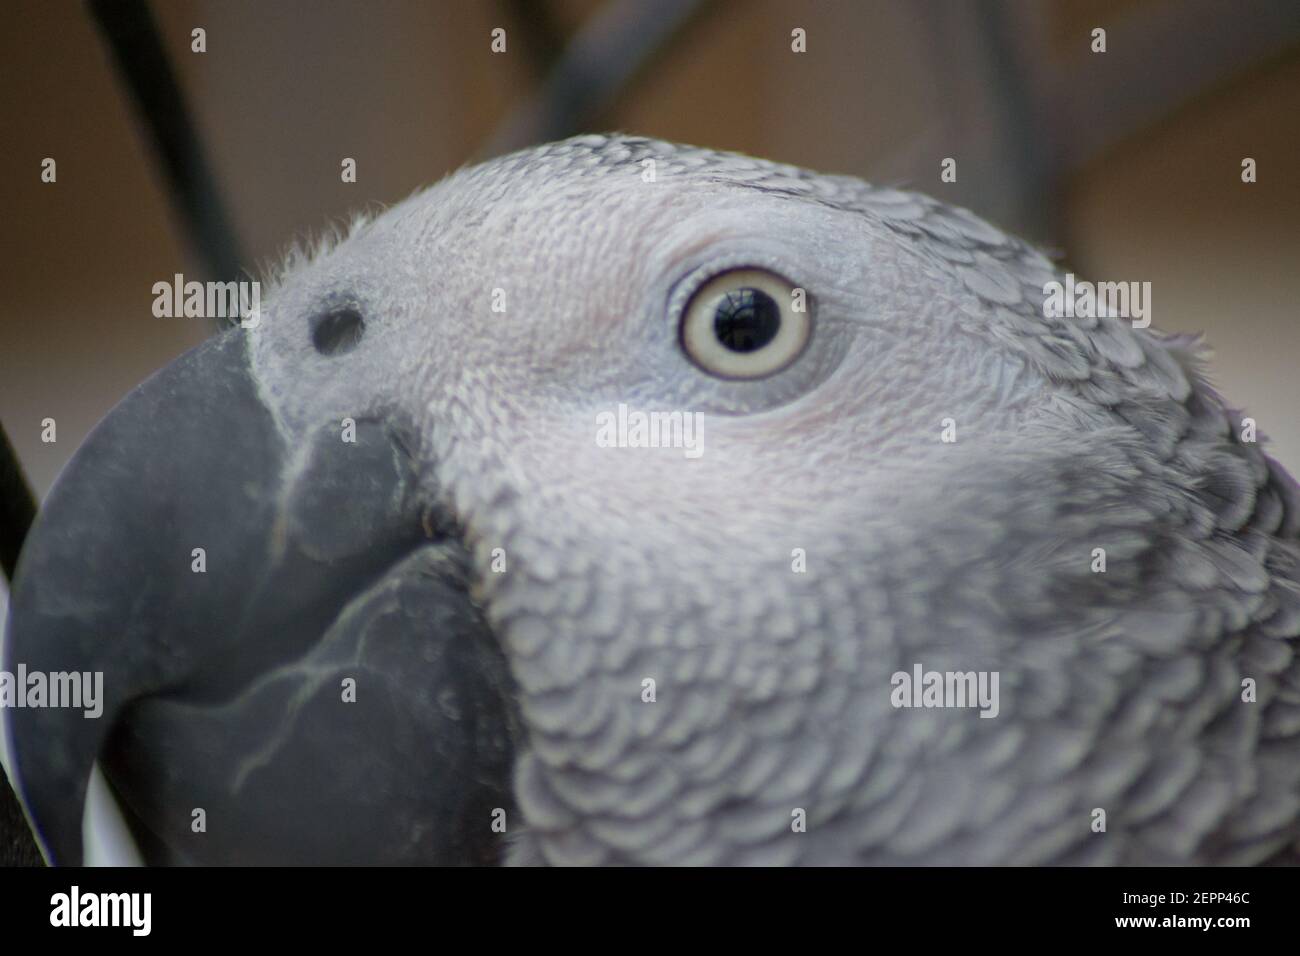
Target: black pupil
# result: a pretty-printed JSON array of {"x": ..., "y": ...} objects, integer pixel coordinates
[{"x": 746, "y": 320}]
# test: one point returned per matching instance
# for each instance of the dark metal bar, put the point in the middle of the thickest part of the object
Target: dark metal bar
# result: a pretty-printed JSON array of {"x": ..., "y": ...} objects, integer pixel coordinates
[
  {"x": 1031, "y": 177},
  {"x": 1161, "y": 57},
  {"x": 543, "y": 39},
  {"x": 17, "y": 845},
  {"x": 617, "y": 43},
  {"x": 17, "y": 512},
  {"x": 132, "y": 36},
  {"x": 17, "y": 506}
]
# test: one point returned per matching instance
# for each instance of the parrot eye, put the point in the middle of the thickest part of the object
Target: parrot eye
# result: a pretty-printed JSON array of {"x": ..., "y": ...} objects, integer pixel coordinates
[{"x": 745, "y": 323}]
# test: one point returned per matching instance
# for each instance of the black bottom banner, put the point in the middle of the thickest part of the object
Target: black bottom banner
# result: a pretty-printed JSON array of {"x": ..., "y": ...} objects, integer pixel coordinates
[{"x": 335, "y": 906}]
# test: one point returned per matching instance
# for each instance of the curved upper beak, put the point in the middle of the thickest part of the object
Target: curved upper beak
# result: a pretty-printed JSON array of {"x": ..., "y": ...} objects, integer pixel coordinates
[{"x": 195, "y": 597}]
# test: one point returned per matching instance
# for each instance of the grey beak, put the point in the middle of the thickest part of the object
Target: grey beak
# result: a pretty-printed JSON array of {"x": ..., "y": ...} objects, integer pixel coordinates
[{"x": 313, "y": 686}]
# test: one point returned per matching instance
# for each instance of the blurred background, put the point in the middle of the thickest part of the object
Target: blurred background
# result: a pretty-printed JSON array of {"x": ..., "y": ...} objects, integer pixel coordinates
[{"x": 1126, "y": 163}]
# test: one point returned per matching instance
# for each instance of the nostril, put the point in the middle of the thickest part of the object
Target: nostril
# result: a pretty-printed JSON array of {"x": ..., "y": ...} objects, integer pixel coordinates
[{"x": 337, "y": 331}]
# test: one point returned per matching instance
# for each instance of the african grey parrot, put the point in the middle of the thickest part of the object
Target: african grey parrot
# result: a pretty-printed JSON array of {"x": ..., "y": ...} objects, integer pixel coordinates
[{"x": 569, "y": 653}]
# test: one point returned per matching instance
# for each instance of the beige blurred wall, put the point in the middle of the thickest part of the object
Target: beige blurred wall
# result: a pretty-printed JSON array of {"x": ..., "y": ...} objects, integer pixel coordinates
[
  {"x": 411, "y": 90},
  {"x": 1223, "y": 257}
]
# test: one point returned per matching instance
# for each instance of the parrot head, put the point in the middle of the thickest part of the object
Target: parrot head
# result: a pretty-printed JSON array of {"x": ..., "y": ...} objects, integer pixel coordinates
[{"x": 584, "y": 508}]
